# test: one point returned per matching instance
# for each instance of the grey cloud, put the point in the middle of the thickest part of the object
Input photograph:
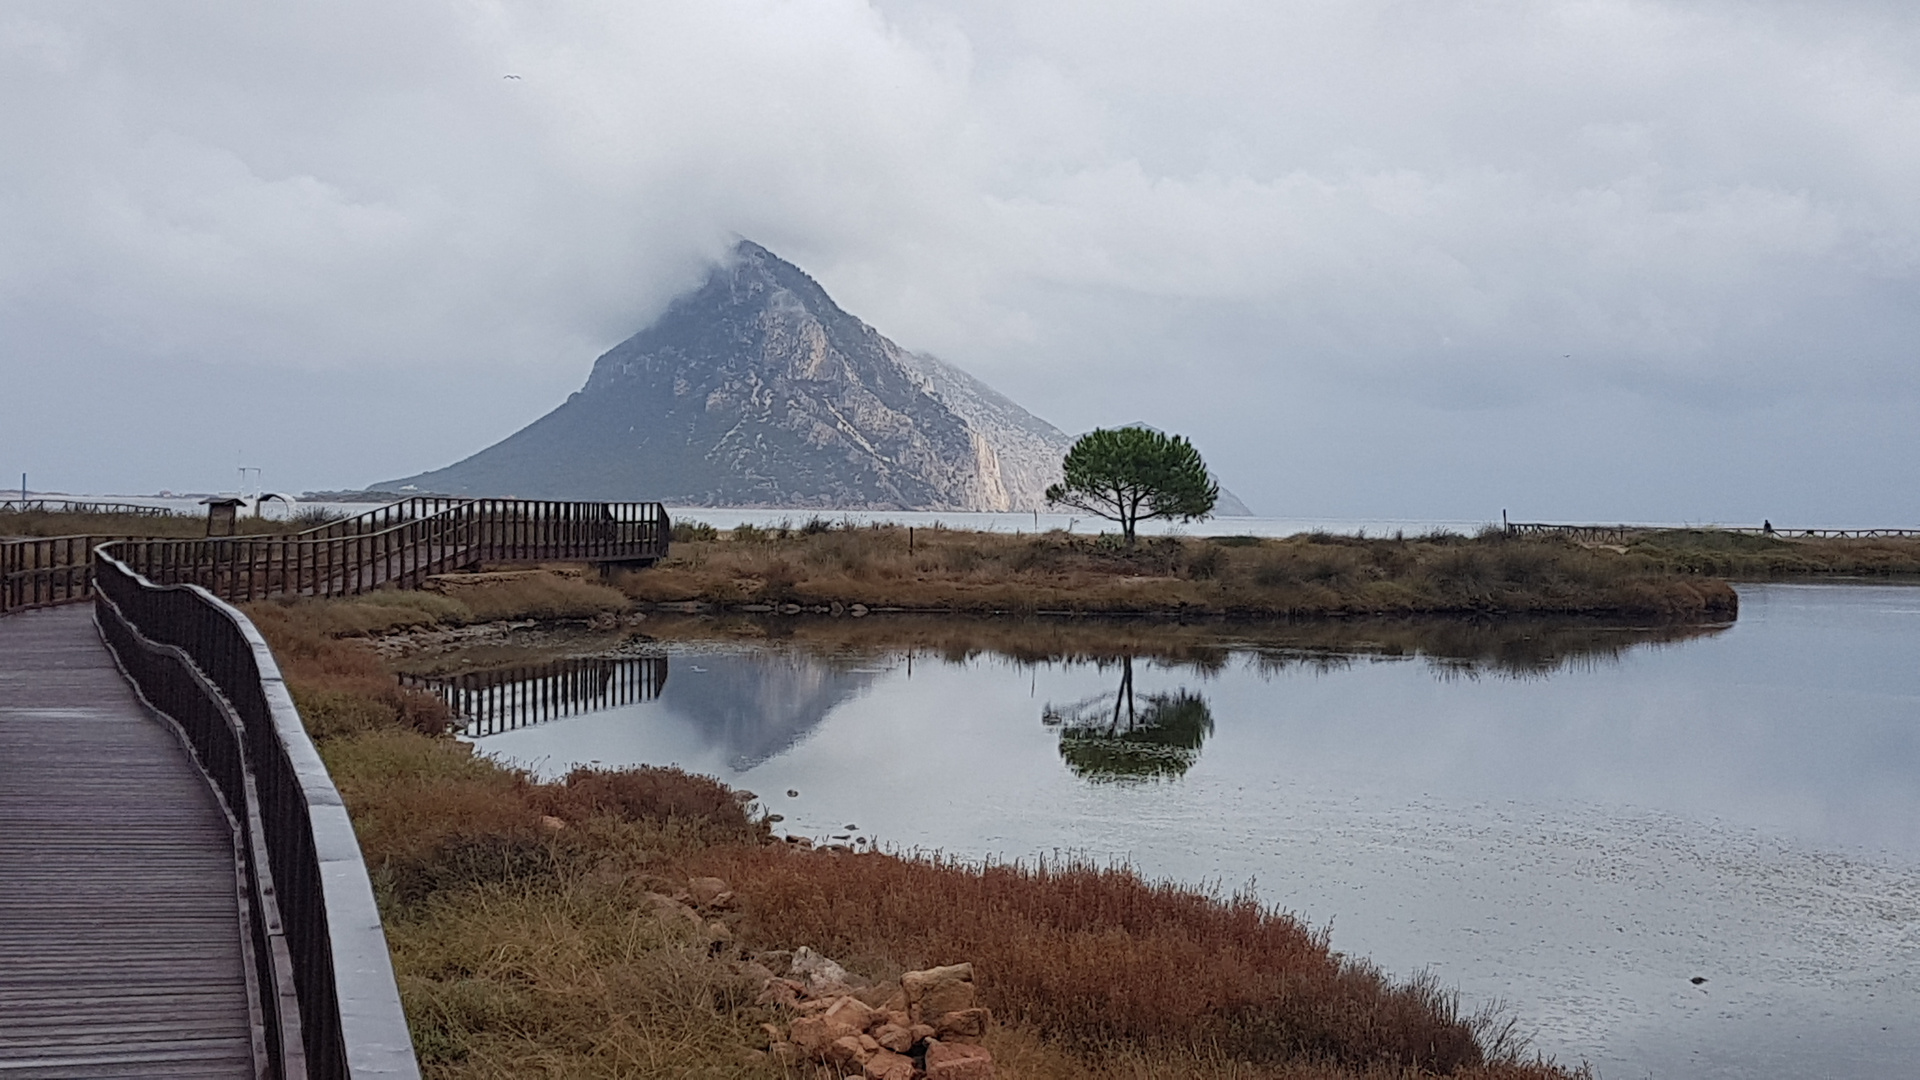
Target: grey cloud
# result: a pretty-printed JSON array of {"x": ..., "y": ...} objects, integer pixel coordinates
[{"x": 1354, "y": 249}]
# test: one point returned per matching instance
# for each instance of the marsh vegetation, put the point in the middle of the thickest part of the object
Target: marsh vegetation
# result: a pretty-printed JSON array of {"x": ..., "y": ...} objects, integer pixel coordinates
[
  {"x": 529, "y": 940},
  {"x": 1750, "y": 557},
  {"x": 1309, "y": 575},
  {"x": 185, "y": 526}
]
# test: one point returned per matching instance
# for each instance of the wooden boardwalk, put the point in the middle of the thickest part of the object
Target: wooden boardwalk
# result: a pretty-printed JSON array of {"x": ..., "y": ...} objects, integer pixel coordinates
[{"x": 120, "y": 931}]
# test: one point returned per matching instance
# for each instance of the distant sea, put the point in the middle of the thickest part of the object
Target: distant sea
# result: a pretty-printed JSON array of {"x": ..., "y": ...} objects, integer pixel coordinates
[
  {"x": 728, "y": 517},
  {"x": 1081, "y": 523}
]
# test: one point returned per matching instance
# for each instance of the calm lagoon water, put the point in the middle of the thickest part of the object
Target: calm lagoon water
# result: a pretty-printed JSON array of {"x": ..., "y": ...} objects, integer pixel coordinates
[{"x": 1578, "y": 836}]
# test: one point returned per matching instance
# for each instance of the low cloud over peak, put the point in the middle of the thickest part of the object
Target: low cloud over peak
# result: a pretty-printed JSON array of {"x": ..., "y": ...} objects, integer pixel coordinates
[{"x": 1361, "y": 250}]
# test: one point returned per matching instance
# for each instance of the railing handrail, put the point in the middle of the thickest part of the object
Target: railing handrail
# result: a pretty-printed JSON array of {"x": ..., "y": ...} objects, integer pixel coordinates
[
  {"x": 45, "y": 571},
  {"x": 171, "y": 683},
  {"x": 351, "y": 1019}
]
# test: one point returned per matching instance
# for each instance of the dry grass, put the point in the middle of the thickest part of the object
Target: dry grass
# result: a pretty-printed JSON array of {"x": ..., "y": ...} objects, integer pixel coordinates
[
  {"x": 368, "y": 614},
  {"x": 527, "y": 943},
  {"x": 568, "y": 979},
  {"x": 459, "y": 600},
  {"x": 340, "y": 686},
  {"x": 530, "y": 594},
  {"x": 185, "y": 526},
  {"x": 1746, "y": 557},
  {"x": 1307, "y": 575}
]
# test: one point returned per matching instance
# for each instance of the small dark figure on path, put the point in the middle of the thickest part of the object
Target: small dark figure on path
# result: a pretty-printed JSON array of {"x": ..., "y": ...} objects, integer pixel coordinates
[{"x": 1766, "y": 526}]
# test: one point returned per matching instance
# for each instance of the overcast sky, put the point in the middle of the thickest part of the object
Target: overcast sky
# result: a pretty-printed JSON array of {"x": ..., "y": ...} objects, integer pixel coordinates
[{"x": 1580, "y": 260}]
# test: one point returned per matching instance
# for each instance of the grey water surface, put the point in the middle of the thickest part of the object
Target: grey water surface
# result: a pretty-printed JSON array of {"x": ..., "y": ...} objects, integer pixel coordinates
[{"x": 1579, "y": 829}]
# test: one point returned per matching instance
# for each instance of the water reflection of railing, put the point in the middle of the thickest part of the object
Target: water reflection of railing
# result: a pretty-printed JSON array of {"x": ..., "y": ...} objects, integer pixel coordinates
[{"x": 503, "y": 699}]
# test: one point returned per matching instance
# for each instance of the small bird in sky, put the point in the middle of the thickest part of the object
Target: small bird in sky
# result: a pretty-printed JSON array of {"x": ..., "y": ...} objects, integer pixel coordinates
[{"x": 509, "y": 76}]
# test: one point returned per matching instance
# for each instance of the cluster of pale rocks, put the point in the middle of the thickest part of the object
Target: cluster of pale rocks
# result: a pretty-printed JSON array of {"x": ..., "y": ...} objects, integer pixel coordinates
[{"x": 925, "y": 1025}]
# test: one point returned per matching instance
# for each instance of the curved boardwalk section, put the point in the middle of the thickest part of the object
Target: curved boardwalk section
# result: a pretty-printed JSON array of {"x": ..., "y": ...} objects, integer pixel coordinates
[{"x": 120, "y": 926}]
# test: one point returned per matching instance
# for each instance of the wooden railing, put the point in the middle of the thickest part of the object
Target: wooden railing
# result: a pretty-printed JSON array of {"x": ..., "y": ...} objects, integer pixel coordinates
[
  {"x": 43, "y": 571},
  {"x": 325, "y": 1002},
  {"x": 397, "y": 545},
  {"x": 1621, "y": 534},
  {"x": 1586, "y": 534},
  {"x": 1828, "y": 534}
]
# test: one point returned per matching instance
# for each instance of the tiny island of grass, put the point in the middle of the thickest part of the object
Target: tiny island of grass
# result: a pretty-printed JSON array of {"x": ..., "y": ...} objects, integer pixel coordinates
[
  {"x": 1740, "y": 556},
  {"x": 534, "y": 934},
  {"x": 1308, "y": 576}
]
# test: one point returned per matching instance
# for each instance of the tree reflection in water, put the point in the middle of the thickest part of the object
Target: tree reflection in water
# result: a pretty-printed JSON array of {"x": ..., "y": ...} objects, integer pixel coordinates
[{"x": 1114, "y": 738}]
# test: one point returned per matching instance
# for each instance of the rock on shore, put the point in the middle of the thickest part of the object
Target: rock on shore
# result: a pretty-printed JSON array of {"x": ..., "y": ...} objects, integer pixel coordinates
[{"x": 927, "y": 1024}]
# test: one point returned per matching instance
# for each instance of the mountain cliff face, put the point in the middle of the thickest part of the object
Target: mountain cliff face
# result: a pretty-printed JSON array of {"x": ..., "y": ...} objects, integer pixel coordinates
[
  {"x": 1020, "y": 451},
  {"x": 756, "y": 389}
]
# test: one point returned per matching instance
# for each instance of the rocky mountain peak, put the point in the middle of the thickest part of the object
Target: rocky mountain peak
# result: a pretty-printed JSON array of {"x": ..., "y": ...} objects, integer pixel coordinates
[{"x": 756, "y": 389}]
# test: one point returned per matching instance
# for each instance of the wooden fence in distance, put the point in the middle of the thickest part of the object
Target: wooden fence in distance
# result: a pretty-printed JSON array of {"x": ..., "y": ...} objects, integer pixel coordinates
[
  {"x": 398, "y": 545},
  {"x": 1622, "y": 534},
  {"x": 80, "y": 506}
]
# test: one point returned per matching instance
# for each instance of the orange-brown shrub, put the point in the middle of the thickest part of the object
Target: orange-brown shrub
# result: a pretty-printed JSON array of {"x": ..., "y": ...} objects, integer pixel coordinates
[
  {"x": 1099, "y": 956},
  {"x": 649, "y": 793},
  {"x": 410, "y": 794},
  {"x": 432, "y": 815}
]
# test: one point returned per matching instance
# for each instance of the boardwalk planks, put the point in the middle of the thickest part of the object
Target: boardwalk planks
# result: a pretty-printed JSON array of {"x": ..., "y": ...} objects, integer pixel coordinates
[{"x": 120, "y": 929}]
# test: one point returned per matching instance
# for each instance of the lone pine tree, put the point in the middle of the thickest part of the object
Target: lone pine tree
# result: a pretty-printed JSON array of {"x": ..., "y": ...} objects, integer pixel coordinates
[{"x": 1135, "y": 474}]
